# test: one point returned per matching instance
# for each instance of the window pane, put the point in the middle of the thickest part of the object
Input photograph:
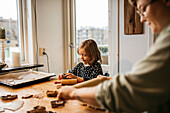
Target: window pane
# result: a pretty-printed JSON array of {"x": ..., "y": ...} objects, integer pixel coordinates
[
  {"x": 8, "y": 20},
  {"x": 92, "y": 22}
]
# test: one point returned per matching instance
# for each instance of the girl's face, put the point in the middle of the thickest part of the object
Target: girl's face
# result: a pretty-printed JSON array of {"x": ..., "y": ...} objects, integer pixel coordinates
[{"x": 84, "y": 56}]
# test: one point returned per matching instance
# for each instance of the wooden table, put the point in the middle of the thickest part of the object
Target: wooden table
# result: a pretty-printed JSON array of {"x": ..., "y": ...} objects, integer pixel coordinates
[{"x": 72, "y": 106}]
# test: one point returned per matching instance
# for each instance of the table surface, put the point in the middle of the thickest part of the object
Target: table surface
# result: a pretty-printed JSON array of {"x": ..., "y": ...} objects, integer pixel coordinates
[{"x": 71, "y": 106}]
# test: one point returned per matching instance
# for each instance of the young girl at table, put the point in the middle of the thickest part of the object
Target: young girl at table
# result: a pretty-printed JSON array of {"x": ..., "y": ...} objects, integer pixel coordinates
[{"x": 90, "y": 65}]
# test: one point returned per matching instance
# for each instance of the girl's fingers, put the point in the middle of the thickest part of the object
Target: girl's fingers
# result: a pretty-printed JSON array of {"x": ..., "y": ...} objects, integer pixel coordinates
[{"x": 60, "y": 76}]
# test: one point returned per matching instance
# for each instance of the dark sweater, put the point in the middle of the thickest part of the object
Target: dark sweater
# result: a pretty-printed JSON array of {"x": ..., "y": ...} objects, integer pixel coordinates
[{"x": 87, "y": 72}]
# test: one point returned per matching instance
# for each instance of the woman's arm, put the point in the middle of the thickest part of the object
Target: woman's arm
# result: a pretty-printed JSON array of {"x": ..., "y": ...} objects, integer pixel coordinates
[{"x": 86, "y": 95}]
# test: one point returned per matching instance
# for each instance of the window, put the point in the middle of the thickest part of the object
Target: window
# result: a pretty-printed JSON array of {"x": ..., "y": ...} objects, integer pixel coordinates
[
  {"x": 14, "y": 18},
  {"x": 9, "y": 21},
  {"x": 92, "y": 22},
  {"x": 107, "y": 14}
]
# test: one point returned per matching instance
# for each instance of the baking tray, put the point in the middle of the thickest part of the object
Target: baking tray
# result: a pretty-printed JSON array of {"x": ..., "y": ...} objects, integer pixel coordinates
[{"x": 18, "y": 78}]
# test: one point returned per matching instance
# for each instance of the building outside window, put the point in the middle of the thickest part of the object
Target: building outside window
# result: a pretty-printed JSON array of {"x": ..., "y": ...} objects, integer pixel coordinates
[
  {"x": 9, "y": 21},
  {"x": 91, "y": 18},
  {"x": 13, "y": 17}
]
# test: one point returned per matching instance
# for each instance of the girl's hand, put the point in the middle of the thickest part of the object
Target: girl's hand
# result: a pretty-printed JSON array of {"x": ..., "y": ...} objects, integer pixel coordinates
[
  {"x": 70, "y": 75},
  {"x": 66, "y": 93},
  {"x": 103, "y": 78},
  {"x": 61, "y": 76}
]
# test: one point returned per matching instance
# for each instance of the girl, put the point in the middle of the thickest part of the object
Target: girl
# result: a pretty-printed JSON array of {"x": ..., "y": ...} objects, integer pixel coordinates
[{"x": 89, "y": 67}]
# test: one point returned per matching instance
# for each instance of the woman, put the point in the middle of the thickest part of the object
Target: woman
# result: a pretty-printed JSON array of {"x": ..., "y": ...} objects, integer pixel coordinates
[{"x": 146, "y": 87}]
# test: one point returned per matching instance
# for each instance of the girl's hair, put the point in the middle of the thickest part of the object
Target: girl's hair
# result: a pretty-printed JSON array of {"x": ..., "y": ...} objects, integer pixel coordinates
[{"x": 91, "y": 49}]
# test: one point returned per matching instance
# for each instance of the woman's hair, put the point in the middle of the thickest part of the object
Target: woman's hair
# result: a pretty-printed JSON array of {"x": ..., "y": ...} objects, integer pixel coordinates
[
  {"x": 91, "y": 49},
  {"x": 133, "y": 3}
]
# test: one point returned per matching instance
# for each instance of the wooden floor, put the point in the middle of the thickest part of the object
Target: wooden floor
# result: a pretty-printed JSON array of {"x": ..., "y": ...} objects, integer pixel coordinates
[{"x": 71, "y": 106}]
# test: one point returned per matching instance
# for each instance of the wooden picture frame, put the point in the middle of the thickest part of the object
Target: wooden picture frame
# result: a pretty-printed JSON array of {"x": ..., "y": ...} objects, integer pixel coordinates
[{"x": 132, "y": 24}]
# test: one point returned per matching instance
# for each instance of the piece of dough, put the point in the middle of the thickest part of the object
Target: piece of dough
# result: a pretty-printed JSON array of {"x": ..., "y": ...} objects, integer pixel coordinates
[{"x": 15, "y": 105}]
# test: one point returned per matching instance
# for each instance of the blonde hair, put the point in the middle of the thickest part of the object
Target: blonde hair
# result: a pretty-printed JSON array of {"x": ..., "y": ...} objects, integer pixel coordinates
[{"x": 91, "y": 49}]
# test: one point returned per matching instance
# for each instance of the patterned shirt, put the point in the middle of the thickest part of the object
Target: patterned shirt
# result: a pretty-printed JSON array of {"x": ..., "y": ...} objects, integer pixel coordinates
[{"x": 87, "y": 72}]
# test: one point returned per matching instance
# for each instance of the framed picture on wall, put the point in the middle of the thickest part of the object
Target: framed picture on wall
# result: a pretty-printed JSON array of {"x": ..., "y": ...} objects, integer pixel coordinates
[{"x": 132, "y": 24}]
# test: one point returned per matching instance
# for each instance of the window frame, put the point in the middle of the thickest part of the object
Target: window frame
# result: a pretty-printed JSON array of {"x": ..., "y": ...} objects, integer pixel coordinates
[
  {"x": 69, "y": 35},
  {"x": 22, "y": 23},
  {"x": 27, "y": 31}
]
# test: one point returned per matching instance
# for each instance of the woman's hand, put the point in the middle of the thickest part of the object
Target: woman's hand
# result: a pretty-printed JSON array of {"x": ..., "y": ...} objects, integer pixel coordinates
[
  {"x": 103, "y": 78},
  {"x": 66, "y": 93},
  {"x": 86, "y": 95}
]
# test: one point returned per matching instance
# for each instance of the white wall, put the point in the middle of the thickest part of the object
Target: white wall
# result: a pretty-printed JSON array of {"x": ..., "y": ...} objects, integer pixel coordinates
[{"x": 50, "y": 34}]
